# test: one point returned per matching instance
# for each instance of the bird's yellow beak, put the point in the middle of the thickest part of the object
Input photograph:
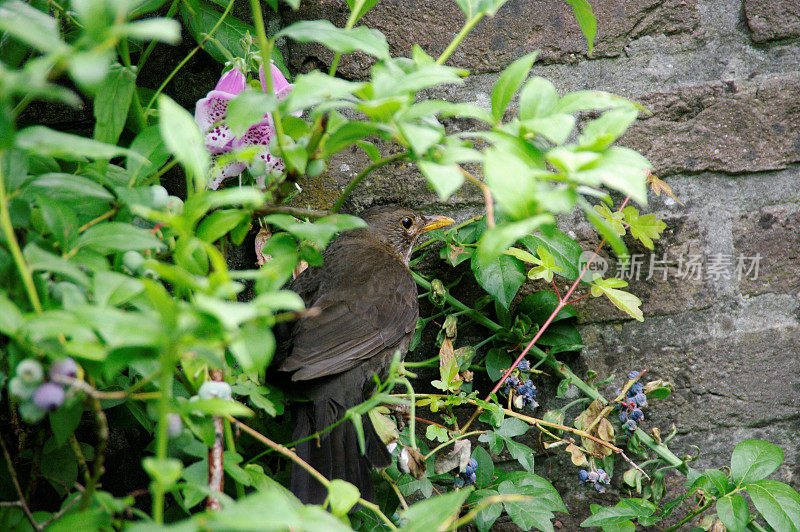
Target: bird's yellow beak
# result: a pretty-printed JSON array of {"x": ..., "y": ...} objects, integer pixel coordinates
[{"x": 436, "y": 222}]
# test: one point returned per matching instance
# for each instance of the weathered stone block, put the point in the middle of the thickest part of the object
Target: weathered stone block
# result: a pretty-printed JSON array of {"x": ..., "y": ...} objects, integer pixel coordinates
[
  {"x": 519, "y": 27},
  {"x": 771, "y": 235},
  {"x": 727, "y": 126},
  {"x": 770, "y": 20}
]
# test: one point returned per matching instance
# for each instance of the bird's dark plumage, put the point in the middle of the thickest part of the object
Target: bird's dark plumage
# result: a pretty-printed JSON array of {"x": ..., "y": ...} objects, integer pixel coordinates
[{"x": 367, "y": 310}]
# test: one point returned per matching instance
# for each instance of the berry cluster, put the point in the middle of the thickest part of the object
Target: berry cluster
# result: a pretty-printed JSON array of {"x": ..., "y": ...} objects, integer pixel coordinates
[
  {"x": 524, "y": 391},
  {"x": 630, "y": 408},
  {"x": 598, "y": 477},
  {"x": 37, "y": 396},
  {"x": 467, "y": 477}
]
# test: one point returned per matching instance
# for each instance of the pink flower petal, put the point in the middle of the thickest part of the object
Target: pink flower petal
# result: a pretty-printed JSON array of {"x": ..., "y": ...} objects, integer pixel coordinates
[
  {"x": 232, "y": 82},
  {"x": 211, "y": 109},
  {"x": 219, "y": 139},
  {"x": 279, "y": 82},
  {"x": 260, "y": 133}
]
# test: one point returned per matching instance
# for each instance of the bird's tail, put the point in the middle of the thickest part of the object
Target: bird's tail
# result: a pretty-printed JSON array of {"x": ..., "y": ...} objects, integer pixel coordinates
[{"x": 336, "y": 454}]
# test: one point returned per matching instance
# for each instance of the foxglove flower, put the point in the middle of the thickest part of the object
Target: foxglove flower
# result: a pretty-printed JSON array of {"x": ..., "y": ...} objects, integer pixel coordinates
[{"x": 210, "y": 113}]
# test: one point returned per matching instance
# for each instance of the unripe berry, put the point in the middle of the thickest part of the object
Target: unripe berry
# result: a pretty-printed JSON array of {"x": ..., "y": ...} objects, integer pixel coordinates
[
  {"x": 30, "y": 371},
  {"x": 174, "y": 425},
  {"x": 30, "y": 413},
  {"x": 19, "y": 389},
  {"x": 133, "y": 260},
  {"x": 160, "y": 196},
  {"x": 215, "y": 389},
  {"x": 49, "y": 396}
]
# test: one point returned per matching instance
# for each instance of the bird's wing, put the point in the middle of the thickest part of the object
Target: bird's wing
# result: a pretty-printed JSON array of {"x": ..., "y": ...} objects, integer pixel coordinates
[{"x": 366, "y": 306}]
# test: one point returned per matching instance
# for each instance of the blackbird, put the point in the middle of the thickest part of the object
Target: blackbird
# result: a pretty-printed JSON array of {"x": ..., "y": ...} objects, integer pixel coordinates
[{"x": 367, "y": 310}]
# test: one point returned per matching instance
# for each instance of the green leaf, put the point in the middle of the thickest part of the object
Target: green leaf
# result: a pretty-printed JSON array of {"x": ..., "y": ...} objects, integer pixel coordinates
[
  {"x": 471, "y": 8},
  {"x": 10, "y": 317},
  {"x": 65, "y": 420},
  {"x": 339, "y": 40},
  {"x": 526, "y": 514},
  {"x": 497, "y": 240},
  {"x": 342, "y": 496},
  {"x": 586, "y": 20},
  {"x": 444, "y": 179},
  {"x": 732, "y": 510},
  {"x": 111, "y": 104},
  {"x": 626, "y": 509},
  {"x": 114, "y": 289},
  {"x": 485, "y": 469},
  {"x": 41, "y": 260},
  {"x": 600, "y": 133},
  {"x": 255, "y": 348},
  {"x": 540, "y": 305},
  {"x": 152, "y": 29},
  {"x": 72, "y": 189},
  {"x": 625, "y": 301},
  {"x": 216, "y": 407},
  {"x": 646, "y": 228},
  {"x": 753, "y": 460},
  {"x": 349, "y": 133},
  {"x": 42, "y": 140},
  {"x": 31, "y": 26},
  {"x": 521, "y": 453},
  {"x": 149, "y": 144},
  {"x": 565, "y": 252},
  {"x": 200, "y": 17},
  {"x": 591, "y": 101},
  {"x": 501, "y": 277},
  {"x": 486, "y": 517},
  {"x": 220, "y": 223},
  {"x": 110, "y": 237},
  {"x": 366, "y": 6},
  {"x": 497, "y": 362},
  {"x": 537, "y": 98},
  {"x": 315, "y": 87},
  {"x": 778, "y": 504},
  {"x": 247, "y": 108},
  {"x": 563, "y": 335},
  {"x": 421, "y": 137},
  {"x": 546, "y": 266},
  {"x": 509, "y": 82},
  {"x": 431, "y": 514},
  {"x": 555, "y": 127},
  {"x": 183, "y": 139},
  {"x": 605, "y": 230},
  {"x": 164, "y": 471}
]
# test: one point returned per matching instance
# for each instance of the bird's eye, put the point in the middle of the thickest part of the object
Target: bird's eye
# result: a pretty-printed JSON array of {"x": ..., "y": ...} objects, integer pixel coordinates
[{"x": 407, "y": 222}]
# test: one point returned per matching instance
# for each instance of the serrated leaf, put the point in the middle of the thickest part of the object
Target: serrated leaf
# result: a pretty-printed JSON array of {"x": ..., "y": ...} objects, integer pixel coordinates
[
  {"x": 646, "y": 228},
  {"x": 625, "y": 301}
]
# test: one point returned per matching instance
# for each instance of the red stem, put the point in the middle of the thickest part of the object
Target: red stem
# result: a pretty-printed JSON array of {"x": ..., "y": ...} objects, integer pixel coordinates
[{"x": 561, "y": 303}]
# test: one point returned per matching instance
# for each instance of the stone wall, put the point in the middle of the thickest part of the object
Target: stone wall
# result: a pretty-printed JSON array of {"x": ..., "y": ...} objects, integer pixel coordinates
[{"x": 722, "y": 78}]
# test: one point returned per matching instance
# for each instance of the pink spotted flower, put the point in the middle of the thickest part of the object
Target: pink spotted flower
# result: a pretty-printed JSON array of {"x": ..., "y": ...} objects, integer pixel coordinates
[{"x": 210, "y": 113}]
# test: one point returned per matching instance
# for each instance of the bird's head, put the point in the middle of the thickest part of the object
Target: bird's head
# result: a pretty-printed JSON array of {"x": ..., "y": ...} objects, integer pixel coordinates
[{"x": 401, "y": 227}]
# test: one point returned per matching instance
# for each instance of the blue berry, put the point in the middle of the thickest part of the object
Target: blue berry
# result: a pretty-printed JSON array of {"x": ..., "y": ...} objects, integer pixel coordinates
[
  {"x": 629, "y": 425},
  {"x": 473, "y": 463},
  {"x": 529, "y": 384},
  {"x": 623, "y": 416},
  {"x": 641, "y": 399},
  {"x": 637, "y": 415},
  {"x": 636, "y": 387},
  {"x": 512, "y": 381},
  {"x": 471, "y": 478},
  {"x": 583, "y": 475},
  {"x": 49, "y": 396},
  {"x": 524, "y": 365},
  {"x": 66, "y": 367},
  {"x": 633, "y": 374}
]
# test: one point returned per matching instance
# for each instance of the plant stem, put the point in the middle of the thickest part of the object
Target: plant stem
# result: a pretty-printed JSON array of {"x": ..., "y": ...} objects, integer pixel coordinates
[
  {"x": 691, "y": 516},
  {"x": 305, "y": 465},
  {"x": 458, "y": 38},
  {"x": 13, "y": 244},
  {"x": 266, "y": 46},
  {"x": 99, "y": 453},
  {"x": 230, "y": 442},
  {"x": 487, "y": 196},
  {"x": 451, "y": 440},
  {"x": 162, "y": 434},
  {"x": 147, "y": 51},
  {"x": 351, "y": 21},
  {"x": 364, "y": 173},
  {"x": 13, "y": 474},
  {"x": 185, "y": 59}
]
